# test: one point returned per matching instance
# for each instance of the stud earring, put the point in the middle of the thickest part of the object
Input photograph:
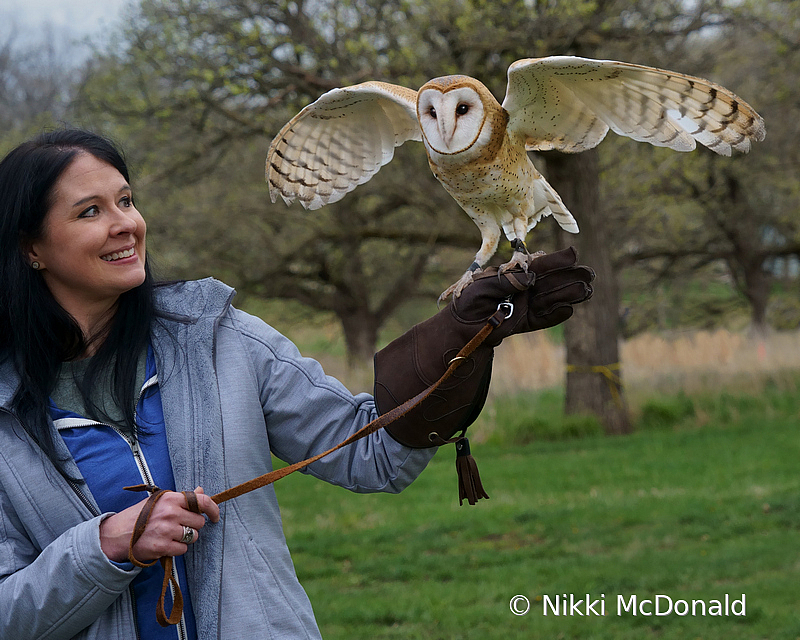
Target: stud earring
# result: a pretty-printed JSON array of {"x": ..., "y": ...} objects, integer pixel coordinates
[{"x": 35, "y": 265}]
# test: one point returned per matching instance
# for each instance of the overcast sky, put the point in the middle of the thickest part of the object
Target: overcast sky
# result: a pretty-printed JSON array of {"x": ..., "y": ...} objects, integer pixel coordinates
[{"x": 69, "y": 19}]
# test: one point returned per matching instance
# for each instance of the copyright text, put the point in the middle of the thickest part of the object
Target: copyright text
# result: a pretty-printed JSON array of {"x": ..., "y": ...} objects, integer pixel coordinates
[{"x": 570, "y": 604}]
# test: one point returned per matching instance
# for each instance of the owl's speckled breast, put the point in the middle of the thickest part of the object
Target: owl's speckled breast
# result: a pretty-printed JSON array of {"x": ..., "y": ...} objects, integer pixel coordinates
[{"x": 503, "y": 177}]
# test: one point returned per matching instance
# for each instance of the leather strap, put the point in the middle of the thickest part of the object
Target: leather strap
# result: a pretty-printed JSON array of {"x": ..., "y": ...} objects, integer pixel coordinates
[
  {"x": 372, "y": 427},
  {"x": 167, "y": 561},
  {"x": 268, "y": 478},
  {"x": 143, "y": 519}
]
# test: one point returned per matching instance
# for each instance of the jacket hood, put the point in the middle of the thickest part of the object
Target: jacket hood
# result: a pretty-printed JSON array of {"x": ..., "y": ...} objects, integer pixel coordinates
[{"x": 188, "y": 301}]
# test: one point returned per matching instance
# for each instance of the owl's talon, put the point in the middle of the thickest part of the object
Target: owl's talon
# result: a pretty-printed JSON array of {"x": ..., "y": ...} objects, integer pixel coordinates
[
  {"x": 456, "y": 288},
  {"x": 518, "y": 259}
]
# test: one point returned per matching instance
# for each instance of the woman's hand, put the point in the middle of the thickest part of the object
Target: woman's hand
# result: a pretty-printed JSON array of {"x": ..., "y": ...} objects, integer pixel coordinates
[{"x": 164, "y": 530}]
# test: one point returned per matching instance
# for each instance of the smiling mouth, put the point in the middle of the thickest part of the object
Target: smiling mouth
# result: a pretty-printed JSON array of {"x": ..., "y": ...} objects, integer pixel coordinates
[{"x": 118, "y": 255}]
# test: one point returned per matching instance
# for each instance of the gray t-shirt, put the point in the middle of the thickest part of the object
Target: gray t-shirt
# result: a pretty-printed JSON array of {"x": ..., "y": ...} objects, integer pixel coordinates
[{"x": 67, "y": 395}]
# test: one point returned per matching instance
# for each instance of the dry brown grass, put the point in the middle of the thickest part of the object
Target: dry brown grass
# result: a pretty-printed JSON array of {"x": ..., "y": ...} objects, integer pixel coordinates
[
  {"x": 686, "y": 360},
  {"x": 527, "y": 361},
  {"x": 689, "y": 360}
]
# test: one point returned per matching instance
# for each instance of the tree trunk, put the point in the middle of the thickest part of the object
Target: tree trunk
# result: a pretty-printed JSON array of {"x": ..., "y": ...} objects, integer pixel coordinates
[
  {"x": 756, "y": 289},
  {"x": 360, "y": 336},
  {"x": 747, "y": 262},
  {"x": 594, "y": 373}
]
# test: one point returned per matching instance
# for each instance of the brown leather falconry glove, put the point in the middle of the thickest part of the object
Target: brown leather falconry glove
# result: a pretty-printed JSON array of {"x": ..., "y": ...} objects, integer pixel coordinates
[{"x": 541, "y": 298}]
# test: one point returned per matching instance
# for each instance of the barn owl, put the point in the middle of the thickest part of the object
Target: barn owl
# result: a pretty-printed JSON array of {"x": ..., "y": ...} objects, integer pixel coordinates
[{"x": 477, "y": 147}]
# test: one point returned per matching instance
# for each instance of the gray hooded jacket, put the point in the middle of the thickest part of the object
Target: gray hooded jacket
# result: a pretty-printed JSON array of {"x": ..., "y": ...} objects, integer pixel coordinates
[{"x": 233, "y": 391}]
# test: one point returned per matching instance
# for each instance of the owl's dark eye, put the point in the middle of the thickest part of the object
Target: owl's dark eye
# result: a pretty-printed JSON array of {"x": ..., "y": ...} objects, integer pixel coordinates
[
  {"x": 432, "y": 113},
  {"x": 462, "y": 109}
]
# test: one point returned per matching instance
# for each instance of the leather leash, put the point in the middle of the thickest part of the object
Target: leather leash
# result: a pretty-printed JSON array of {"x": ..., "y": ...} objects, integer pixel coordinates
[
  {"x": 268, "y": 478},
  {"x": 167, "y": 561}
]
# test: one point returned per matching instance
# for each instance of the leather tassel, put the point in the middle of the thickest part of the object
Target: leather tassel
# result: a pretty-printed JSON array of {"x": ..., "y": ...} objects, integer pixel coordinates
[{"x": 469, "y": 480}]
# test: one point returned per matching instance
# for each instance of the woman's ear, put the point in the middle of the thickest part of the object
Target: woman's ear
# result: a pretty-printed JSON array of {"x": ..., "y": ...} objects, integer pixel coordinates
[{"x": 29, "y": 251}]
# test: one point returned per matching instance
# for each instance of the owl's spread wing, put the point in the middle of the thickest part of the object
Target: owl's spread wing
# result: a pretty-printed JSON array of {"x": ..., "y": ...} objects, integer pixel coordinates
[
  {"x": 339, "y": 142},
  {"x": 568, "y": 104}
]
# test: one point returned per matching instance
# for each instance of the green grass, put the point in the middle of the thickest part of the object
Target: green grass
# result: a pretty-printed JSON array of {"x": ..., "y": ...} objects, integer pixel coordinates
[
  {"x": 530, "y": 417},
  {"x": 703, "y": 500}
]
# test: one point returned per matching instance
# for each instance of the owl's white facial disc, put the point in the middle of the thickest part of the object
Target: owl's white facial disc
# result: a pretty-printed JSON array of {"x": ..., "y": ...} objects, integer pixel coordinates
[{"x": 451, "y": 121}]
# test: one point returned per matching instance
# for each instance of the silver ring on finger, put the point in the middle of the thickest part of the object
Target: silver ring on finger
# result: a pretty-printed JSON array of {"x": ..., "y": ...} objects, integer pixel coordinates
[{"x": 188, "y": 535}]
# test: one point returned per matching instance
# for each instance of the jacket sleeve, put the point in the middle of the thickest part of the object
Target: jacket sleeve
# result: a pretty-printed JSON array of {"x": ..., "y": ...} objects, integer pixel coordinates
[
  {"x": 308, "y": 412},
  {"x": 60, "y": 591}
]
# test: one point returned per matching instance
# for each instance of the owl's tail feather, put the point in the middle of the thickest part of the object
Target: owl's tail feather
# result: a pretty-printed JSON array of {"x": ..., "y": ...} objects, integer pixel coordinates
[{"x": 548, "y": 202}]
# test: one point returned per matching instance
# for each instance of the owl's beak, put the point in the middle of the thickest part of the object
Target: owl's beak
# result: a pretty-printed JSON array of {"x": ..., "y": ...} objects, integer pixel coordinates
[{"x": 447, "y": 129}]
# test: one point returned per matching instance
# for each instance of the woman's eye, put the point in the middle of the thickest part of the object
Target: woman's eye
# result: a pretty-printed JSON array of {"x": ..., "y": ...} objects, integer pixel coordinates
[
  {"x": 89, "y": 212},
  {"x": 126, "y": 201}
]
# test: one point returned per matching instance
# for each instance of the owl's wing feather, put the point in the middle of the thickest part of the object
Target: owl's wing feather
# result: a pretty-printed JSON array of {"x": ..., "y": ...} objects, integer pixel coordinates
[
  {"x": 339, "y": 142},
  {"x": 550, "y": 204},
  {"x": 569, "y": 104}
]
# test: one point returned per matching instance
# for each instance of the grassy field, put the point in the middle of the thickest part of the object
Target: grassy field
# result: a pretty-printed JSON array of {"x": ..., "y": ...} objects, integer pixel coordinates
[{"x": 702, "y": 501}]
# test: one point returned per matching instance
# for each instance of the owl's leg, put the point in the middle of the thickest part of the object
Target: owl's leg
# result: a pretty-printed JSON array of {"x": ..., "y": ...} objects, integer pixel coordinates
[
  {"x": 490, "y": 236},
  {"x": 521, "y": 254},
  {"x": 519, "y": 258}
]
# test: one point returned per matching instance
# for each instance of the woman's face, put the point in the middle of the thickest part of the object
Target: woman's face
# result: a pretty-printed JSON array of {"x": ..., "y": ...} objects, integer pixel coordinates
[{"x": 92, "y": 248}]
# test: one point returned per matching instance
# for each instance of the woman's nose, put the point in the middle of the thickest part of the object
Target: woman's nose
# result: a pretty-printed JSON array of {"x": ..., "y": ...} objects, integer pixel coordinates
[{"x": 125, "y": 221}]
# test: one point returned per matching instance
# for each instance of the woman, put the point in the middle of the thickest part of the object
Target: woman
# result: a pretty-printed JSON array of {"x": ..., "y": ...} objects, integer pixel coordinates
[{"x": 109, "y": 380}]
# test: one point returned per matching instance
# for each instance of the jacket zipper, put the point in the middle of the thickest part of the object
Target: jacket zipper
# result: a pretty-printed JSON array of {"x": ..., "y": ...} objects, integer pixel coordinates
[
  {"x": 135, "y": 613},
  {"x": 147, "y": 477}
]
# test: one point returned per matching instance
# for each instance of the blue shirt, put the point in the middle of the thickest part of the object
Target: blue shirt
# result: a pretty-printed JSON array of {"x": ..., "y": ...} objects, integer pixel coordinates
[{"x": 110, "y": 459}]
